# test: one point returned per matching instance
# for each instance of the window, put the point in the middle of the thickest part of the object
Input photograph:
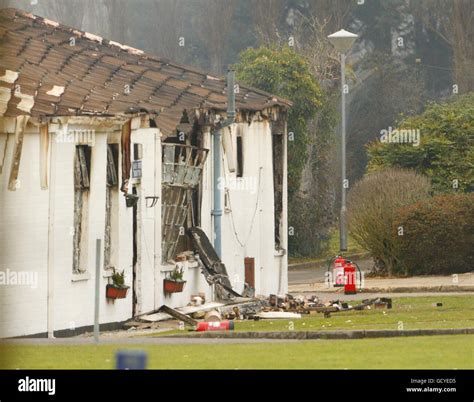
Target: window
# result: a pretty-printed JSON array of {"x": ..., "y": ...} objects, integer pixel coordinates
[
  {"x": 240, "y": 157},
  {"x": 82, "y": 167},
  {"x": 112, "y": 165},
  {"x": 278, "y": 176},
  {"x": 111, "y": 208}
]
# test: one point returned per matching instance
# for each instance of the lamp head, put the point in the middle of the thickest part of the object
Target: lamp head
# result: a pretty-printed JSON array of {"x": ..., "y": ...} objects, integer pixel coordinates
[{"x": 342, "y": 40}]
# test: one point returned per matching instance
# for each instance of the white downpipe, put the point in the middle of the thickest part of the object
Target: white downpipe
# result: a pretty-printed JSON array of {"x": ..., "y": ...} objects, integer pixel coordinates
[
  {"x": 157, "y": 217},
  {"x": 51, "y": 217}
]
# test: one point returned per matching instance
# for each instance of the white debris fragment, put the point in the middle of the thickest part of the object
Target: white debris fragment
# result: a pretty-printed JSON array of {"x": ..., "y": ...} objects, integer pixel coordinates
[
  {"x": 51, "y": 23},
  {"x": 95, "y": 38},
  {"x": 26, "y": 103},
  {"x": 5, "y": 95},
  {"x": 127, "y": 48},
  {"x": 10, "y": 76},
  {"x": 277, "y": 315},
  {"x": 57, "y": 90}
]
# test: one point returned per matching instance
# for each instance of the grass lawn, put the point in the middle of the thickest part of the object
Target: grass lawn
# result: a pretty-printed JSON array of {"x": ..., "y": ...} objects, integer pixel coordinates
[
  {"x": 406, "y": 313},
  {"x": 430, "y": 352}
]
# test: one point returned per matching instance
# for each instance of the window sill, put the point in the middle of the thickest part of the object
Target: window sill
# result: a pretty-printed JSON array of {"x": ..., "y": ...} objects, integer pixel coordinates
[
  {"x": 107, "y": 273},
  {"x": 193, "y": 264},
  {"x": 170, "y": 267},
  {"x": 167, "y": 267},
  {"x": 280, "y": 252},
  {"x": 81, "y": 277}
]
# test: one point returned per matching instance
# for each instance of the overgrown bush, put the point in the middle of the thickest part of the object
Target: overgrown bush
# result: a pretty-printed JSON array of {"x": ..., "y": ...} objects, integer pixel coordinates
[
  {"x": 445, "y": 152},
  {"x": 285, "y": 73},
  {"x": 372, "y": 206},
  {"x": 438, "y": 235}
]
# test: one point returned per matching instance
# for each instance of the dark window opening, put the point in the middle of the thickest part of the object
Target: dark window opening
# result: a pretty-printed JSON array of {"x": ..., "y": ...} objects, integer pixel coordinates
[
  {"x": 82, "y": 169},
  {"x": 111, "y": 208},
  {"x": 278, "y": 154},
  {"x": 82, "y": 166},
  {"x": 172, "y": 140},
  {"x": 112, "y": 165},
  {"x": 137, "y": 151},
  {"x": 240, "y": 157}
]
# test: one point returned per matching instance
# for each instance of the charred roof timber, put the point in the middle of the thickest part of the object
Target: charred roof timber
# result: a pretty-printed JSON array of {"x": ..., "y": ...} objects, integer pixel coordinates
[{"x": 94, "y": 76}]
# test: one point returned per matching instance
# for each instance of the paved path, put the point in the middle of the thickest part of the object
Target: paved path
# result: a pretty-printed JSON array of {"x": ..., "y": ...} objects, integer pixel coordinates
[
  {"x": 327, "y": 296},
  {"x": 315, "y": 272},
  {"x": 312, "y": 280},
  {"x": 134, "y": 341}
]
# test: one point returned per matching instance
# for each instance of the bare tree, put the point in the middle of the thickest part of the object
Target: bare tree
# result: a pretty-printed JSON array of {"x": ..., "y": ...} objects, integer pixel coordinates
[
  {"x": 332, "y": 14},
  {"x": 215, "y": 25},
  {"x": 169, "y": 39},
  {"x": 117, "y": 11},
  {"x": 463, "y": 44},
  {"x": 453, "y": 22},
  {"x": 266, "y": 16}
]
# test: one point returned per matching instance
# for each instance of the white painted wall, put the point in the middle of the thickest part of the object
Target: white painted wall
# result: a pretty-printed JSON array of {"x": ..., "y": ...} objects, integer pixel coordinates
[
  {"x": 24, "y": 242},
  {"x": 24, "y": 232},
  {"x": 74, "y": 294},
  {"x": 147, "y": 186},
  {"x": 248, "y": 226}
]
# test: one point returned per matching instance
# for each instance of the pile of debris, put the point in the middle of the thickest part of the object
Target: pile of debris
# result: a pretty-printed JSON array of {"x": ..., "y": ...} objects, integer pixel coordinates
[
  {"x": 304, "y": 305},
  {"x": 273, "y": 307}
]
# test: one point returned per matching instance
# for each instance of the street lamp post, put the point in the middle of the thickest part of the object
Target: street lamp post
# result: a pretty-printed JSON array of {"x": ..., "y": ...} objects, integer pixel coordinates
[{"x": 343, "y": 40}]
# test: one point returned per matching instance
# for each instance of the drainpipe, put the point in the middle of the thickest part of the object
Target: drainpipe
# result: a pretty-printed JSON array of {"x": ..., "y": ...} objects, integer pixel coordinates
[
  {"x": 217, "y": 211},
  {"x": 51, "y": 230}
]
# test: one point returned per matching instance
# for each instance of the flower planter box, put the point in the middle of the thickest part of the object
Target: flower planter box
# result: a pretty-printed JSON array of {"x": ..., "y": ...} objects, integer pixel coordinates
[
  {"x": 116, "y": 292},
  {"x": 131, "y": 200},
  {"x": 171, "y": 286}
]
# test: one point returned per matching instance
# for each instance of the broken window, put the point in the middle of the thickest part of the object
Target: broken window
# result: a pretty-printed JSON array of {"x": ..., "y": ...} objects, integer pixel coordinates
[
  {"x": 82, "y": 166},
  {"x": 240, "y": 157},
  {"x": 181, "y": 173},
  {"x": 112, "y": 165},
  {"x": 278, "y": 155},
  {"x": 111, "y": 208}
]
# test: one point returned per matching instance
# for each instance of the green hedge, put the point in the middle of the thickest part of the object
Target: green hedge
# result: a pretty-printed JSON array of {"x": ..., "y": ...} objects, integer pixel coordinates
[
  {"x": 438, "y": 235},
  {"x": 446, "y": 150}
]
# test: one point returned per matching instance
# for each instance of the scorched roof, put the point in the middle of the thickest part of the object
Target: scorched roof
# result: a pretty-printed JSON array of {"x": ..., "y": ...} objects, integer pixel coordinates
[{"x": 48, "y": 69}]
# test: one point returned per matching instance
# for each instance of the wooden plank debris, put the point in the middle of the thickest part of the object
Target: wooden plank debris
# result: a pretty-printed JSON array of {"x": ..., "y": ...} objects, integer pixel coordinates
[
  {"x": 278, "y": 315},
  {"x": 179, "y": 316},
  {"x": 21, "y": 122},
  {"x": 44, "y": 148}
]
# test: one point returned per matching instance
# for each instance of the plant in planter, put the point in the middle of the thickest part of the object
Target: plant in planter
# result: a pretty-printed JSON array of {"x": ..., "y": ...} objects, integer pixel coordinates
[
  {"x": 117, "y": 289},
  {"x": 174, "y": 283}
]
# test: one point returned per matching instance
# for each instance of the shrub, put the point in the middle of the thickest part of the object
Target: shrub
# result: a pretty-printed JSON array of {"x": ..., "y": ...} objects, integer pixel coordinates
[
  {"x": 286, "y": 73},
  {"x": 446, "y": 150},
  {"x": 438, "y": 235},
  {"x": 372, "y": 206}
]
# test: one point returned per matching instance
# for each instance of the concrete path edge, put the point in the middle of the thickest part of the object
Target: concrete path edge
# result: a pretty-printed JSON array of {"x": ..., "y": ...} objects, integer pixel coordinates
[{"x": 357, "y": 334}]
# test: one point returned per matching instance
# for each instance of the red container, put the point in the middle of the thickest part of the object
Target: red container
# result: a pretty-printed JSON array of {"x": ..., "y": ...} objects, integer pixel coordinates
[
  {"x": 170, "y": 286},
  {"x": 350, "y": 278},
  {"x": 215, "y": 326},
  {"x": 116, "y": 292},
  {"x": 338, "y": 271}
]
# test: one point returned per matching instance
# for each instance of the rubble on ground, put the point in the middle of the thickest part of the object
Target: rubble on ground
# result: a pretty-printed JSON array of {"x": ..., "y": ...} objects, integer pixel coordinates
[{"x": 272, "y": 307}]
